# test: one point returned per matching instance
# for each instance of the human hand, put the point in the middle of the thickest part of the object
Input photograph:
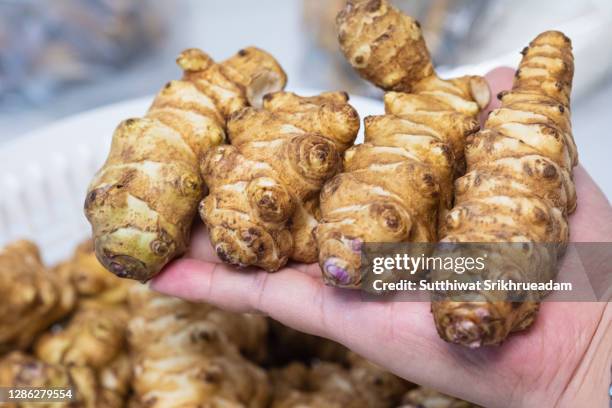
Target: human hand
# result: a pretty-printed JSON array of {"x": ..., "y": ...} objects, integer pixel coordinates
[{"x": 563, "y": 359}]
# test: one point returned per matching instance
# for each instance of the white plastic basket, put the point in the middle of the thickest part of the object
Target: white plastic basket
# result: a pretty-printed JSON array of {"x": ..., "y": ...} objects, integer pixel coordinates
[{"x": 44, "y": 175}]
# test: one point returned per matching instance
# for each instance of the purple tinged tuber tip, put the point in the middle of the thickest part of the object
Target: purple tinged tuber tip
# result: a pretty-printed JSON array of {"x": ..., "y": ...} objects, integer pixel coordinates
[
  {"x": 338, "y": 273},
  {"x": 467, "y": 333},
  {"x": 356, "y": 244}
]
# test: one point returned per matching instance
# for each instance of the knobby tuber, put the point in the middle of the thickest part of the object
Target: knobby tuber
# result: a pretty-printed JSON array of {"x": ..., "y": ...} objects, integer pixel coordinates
[
  {"x": 387, "y": 48},
  {"x": 518, "y": 188},
  {"x": 330, "y": 385},
  {"x": 20, "y": 370},
  {"x": 91, "y": 281},
  {"x": 185, "y": 357},
  {"x": 92, "y": 348},
  {"x": 264, "y": 188},
  {"x": 93, "y": 337},
  {"x": 92, "y": 343},
  {"x": 33, "y": 298},
  {"x": 398, "y": 183},
  {"x": 142, "y": 202},
  {"x": 180, "y": 354}
]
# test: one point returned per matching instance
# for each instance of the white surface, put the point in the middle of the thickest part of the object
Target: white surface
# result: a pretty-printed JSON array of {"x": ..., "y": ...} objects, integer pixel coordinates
[
  {"x": 588, "y": 30},
  {"x": 588, "y": 23},
  {"x": 44, "y": 175}
]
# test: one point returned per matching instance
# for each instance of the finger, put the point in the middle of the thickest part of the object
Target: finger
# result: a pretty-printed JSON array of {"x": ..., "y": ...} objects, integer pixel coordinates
[
  {"x": 306, "y": 304},
  {"x": 376, "y": 330},
  {"x": 312, "y": 270},
  {"x": 290, "y": 296},
  {"x": 200, "y": 247},
  {"x": 499, "y": 79},
  {"x": 398, "y": 335},
  {"x": 592, "y": 221}
]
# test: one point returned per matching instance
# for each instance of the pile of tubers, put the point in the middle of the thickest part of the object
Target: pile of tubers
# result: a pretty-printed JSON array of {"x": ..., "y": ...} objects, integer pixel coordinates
[
  {"x": 286, "y": 183},
  {"x": 115, "y": 343}
]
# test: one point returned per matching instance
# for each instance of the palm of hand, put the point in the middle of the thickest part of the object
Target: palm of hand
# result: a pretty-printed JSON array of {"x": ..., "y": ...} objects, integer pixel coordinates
[{"x": 539, "y": 366}]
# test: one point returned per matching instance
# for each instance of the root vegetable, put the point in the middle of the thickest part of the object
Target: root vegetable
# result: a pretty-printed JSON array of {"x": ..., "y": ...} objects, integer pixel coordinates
[
  {"x": 142, "y": 202},
  {"x": 115, "y": 380},
  {"x": 263, "y": 188},
  {"x": 398, "y": 183},
  {"x": 33, "y": 298},
  {"x": 327, "y": 384},
  {"x": 92, "y": 282},
  {"x": 422, "y": 397},
  {"x": 184, "y": 355},
  {"x": 93, "y": 337},
  {"x": 92, "y": 346},
  {"x": 387, "y": 48},
  {"x": 518, "y": 188},
  {"x": 20, "y": 370}
]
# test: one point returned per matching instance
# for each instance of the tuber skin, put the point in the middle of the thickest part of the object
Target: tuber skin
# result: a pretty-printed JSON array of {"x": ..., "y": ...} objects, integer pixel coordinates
[
  {"x": 422, "y": 397},
  {"x": 397, "y": 184},
  {"x": 20, "y": 370},
  {"x": 142, "y": 202},
  {"x": 92, "y": 342},
  {"x": 91, "y": 281},
  {"x": 33, "y": 298},
  {"x": 387, "y": 48},
  {"x": 263, "y": 201},
  {"x": 182, "y": 354},
  {"x": 187, "y": 355},
  {"x": 330, "y": 385},
  {"x": 93, "y": 337},
  {"x": 518, "y": 188}
]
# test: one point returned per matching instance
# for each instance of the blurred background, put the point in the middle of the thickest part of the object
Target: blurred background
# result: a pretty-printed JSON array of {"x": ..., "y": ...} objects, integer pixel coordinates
[{"x": 61, "y": 57}]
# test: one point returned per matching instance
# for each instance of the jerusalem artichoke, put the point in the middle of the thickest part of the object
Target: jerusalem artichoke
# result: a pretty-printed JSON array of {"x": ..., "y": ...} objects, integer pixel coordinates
[
  {"x": 518, "y": 188},
  {"x": 93, "y": 337},
  {"x": 19, "y": 370},
  {"x": 92, "y": 345},
  {"x": 387, "y": 48},
  {"x": 142, "y": 202},
  {"x": 115, "y": 380},
  {"x": 92, "y": 282},
  {"x": 398, "y": 183},
  {"x": 263, "y": 188},
  {"x": 183, "y": 357},
  {"x": 329, "y": 385},
  {"x": 33, "y": 298},
  {"x": 422, "y": 397}
]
